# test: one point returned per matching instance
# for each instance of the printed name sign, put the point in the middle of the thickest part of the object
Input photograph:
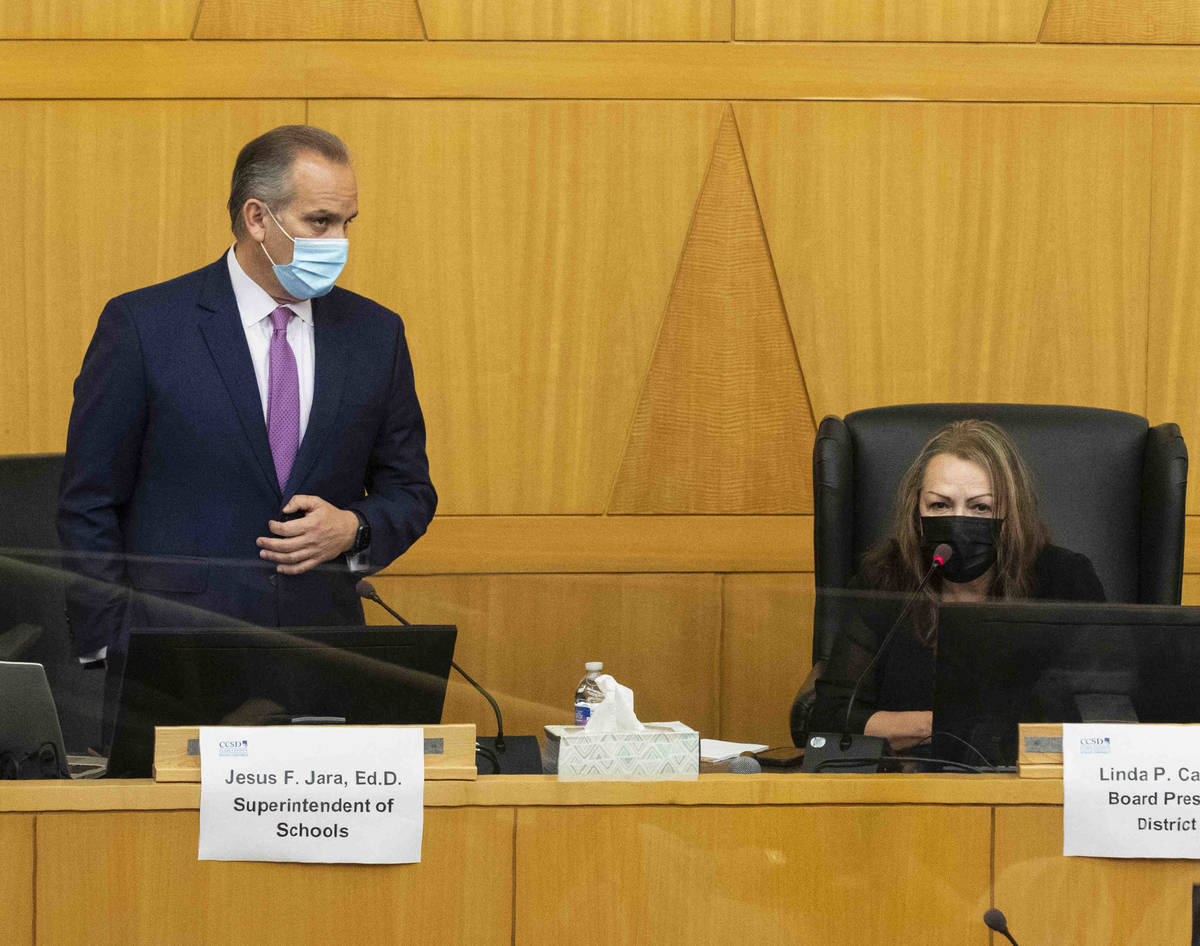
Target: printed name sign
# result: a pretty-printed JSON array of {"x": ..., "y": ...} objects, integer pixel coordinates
[
  {"x": 1131, "y": 790},
  {"x": 318, "y": 794}
]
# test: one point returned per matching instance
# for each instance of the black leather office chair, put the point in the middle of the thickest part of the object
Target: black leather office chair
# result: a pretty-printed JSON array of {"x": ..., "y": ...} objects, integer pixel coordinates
[{"x": 1109, "y": 486}]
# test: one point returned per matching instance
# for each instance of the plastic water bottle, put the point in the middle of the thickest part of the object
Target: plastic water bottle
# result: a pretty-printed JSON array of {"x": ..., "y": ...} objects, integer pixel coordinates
[{"x": 588, "y": 693}]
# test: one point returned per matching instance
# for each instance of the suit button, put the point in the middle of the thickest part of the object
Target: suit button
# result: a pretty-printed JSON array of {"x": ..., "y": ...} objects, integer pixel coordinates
[{"x": 272, "y": 580}]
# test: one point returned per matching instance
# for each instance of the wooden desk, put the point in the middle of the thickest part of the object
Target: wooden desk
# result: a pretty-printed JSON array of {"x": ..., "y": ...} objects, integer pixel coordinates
[{"x": 528, "y": 860}]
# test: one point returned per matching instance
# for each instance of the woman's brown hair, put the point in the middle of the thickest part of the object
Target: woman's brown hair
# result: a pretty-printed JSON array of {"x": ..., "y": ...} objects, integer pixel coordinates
[{"x": 895, "y": 563}]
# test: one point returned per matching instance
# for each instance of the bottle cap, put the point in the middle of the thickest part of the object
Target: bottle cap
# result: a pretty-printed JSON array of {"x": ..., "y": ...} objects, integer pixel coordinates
[{"x": 593, "y": 665}]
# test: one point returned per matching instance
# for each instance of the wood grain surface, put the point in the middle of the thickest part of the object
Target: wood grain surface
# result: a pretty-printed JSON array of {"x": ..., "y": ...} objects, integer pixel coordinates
[
  {"x": 756, "y": 874},
  {"x": 16, "y": 886},
  {"x": 97, "y": 19},
  {"x": 1121, "y": 21},
  {"x": 938, "y": 252},
  {"x": 1049, "y": 898},
  {"x": 309, "y": 19},
  {"x": 146, "y": 863},
  {"x": 973, "y": 21},
  {"x": 530, "y": 247},
  {"x": 723, "y": 424},
  {"x": 670, "y": 20}
]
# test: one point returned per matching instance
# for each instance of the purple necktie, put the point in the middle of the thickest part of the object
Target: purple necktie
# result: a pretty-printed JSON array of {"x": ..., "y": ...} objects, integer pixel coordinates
[{"x": 283, "y": 398}]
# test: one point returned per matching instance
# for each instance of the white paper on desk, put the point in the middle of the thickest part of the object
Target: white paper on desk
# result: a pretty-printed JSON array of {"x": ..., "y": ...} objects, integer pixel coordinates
[
  {"x": 1131, "y": 790},
  {"x": 716, "y": 750},
  {"x": 318, "y": 794}
]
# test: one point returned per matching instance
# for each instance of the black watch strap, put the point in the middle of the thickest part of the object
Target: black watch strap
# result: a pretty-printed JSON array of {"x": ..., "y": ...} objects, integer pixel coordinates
[{"x": 363, "y": 538}]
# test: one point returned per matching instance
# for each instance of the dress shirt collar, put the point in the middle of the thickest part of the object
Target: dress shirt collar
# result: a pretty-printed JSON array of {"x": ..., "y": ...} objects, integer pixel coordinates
[{"x": 254, "y": 303}]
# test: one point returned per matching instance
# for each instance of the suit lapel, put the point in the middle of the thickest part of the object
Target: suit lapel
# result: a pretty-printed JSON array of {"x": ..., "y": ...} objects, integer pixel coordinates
[
  {"x": 332, "y": 363},
  {"x": 226, "y": 340}
]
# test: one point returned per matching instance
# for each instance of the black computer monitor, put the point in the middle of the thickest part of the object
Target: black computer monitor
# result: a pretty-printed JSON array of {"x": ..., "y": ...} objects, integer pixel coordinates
[
  {"x": 1004, "y": 663},
  {"x": 263, "y": 676}
]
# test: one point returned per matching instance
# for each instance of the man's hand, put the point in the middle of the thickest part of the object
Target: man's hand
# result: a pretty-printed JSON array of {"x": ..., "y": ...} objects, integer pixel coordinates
[{"x": 324, "y": 532}]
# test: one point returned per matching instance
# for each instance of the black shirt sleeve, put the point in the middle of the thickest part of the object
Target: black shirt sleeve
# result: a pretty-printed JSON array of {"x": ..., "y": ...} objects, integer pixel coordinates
[{"x": 862, "y": 626}]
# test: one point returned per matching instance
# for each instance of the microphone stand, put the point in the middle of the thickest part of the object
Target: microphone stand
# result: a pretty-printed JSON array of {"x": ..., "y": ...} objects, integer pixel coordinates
[
  {"x": 853, "y": 752},
  {"x": 367, "y": 590},
  {"x": 517, "y": 755}
]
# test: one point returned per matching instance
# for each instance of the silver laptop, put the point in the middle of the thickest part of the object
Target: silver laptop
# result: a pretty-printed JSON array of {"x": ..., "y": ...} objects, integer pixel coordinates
[{"x": 29, "y": 718}]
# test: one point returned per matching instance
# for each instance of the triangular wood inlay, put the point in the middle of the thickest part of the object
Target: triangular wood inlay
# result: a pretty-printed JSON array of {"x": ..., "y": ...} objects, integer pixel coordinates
[{"x": 723, "y": 424}]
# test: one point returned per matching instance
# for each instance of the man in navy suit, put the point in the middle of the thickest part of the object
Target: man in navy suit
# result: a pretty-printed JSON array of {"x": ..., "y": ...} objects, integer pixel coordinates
[{"x": 246, "y": 440}]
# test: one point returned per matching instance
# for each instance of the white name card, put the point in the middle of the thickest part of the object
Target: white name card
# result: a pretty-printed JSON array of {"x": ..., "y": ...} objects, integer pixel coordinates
[
  {"x": 1131, "y": 790},
  {"x": 318, "y": 794}
]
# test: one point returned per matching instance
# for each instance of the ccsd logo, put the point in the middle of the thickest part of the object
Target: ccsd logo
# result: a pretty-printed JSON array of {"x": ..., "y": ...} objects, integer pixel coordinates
[
  {"x": 228, "y": 747},
  {"x": 1095, "y": 744}
]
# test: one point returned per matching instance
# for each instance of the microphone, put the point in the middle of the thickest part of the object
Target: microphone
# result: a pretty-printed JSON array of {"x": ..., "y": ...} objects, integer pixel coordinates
[
  {"x": 996, "y": 922},
  {"x": 822, "y": 750},
  {"x": 367, "y": 590},
  {"x": 745, "y": 765}
]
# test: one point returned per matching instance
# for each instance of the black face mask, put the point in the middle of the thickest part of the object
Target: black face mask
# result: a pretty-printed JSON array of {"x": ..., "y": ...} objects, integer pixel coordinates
[{"x": 972, "y": 538}]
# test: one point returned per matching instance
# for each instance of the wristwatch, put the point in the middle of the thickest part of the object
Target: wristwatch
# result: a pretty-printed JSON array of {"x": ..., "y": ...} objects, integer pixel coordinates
[{"x": 363, "y": 537}]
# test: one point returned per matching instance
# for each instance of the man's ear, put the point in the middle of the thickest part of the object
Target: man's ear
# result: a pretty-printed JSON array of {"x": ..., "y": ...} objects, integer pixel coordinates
[{"x": 254, "y": 217}]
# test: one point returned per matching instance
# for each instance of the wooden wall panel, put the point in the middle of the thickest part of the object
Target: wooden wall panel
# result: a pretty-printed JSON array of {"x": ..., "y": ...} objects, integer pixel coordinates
[
  {"x": 16, "y": 890},
  {"x": 530, "y": 247},
  {"x": 97, "y": 19},
  {"x": 723, "y": 424},
  {"x": 571, "y": 20},
  {"x": 963, "y": 21},
  {"x": 766, "y": 651},
  {"x": 941, "y": 252},
  {"x": 328, "y": 69},
  {"x": 1173, "y": 375},
  {"x": 753, "y": 874},
  {"x": 1122, "y": 21},
  {"x": 1051, "y": 899},
  {"x": 461, "y": 892},
  {"x": 526, "y": 638},
  {"x": 465, "y": 544},
  {"x": 309, "y": 19},
  {"x": 112, "y": 196}
]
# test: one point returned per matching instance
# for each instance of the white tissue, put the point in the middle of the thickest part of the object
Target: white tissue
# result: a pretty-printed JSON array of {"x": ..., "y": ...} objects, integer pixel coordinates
[{"x": 615, "y": 714}]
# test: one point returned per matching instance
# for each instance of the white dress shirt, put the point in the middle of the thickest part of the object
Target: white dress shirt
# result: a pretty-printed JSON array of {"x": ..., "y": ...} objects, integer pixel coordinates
[{"x": 255, "y": 307}]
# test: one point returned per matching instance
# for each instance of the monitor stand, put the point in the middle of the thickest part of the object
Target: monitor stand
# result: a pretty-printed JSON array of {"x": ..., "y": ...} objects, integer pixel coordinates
[
  {"x": 842, "y": 752},
  {"x": 1105, "y": 708},
  {"x": 521, "y": 756}
]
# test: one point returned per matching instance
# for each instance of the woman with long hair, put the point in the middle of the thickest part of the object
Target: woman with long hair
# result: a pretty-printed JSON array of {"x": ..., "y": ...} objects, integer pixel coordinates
[{"x": 968, "y": 488}]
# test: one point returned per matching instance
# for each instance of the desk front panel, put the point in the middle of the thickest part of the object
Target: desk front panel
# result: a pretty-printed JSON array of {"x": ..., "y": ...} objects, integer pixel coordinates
[
  {"x": 132, "y": 877},
  {"x": 771, "y": 874},
  {"x": 16, "y": 879},
  {"x": 1049, "y": 898}
]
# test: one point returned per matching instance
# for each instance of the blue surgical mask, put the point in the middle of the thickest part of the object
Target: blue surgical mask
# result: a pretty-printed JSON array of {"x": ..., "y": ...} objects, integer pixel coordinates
[{"x": 315, "y": 266}]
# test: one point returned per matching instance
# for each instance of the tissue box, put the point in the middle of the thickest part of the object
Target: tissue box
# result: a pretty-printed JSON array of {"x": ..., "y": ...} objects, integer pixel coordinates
[{"x": 663, "y": 751}]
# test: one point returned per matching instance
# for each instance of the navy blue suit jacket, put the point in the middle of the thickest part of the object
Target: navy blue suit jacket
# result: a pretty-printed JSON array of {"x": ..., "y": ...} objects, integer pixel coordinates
[{"x": 168, "y": 478}]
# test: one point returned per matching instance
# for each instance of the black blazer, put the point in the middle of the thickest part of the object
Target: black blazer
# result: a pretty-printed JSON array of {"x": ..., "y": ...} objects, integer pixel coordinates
[{"x": 168, "y": 477}]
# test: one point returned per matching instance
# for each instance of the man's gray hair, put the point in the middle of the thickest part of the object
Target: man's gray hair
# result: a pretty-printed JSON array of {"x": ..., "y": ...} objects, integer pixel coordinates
[{"x": 263, "y": 169}]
